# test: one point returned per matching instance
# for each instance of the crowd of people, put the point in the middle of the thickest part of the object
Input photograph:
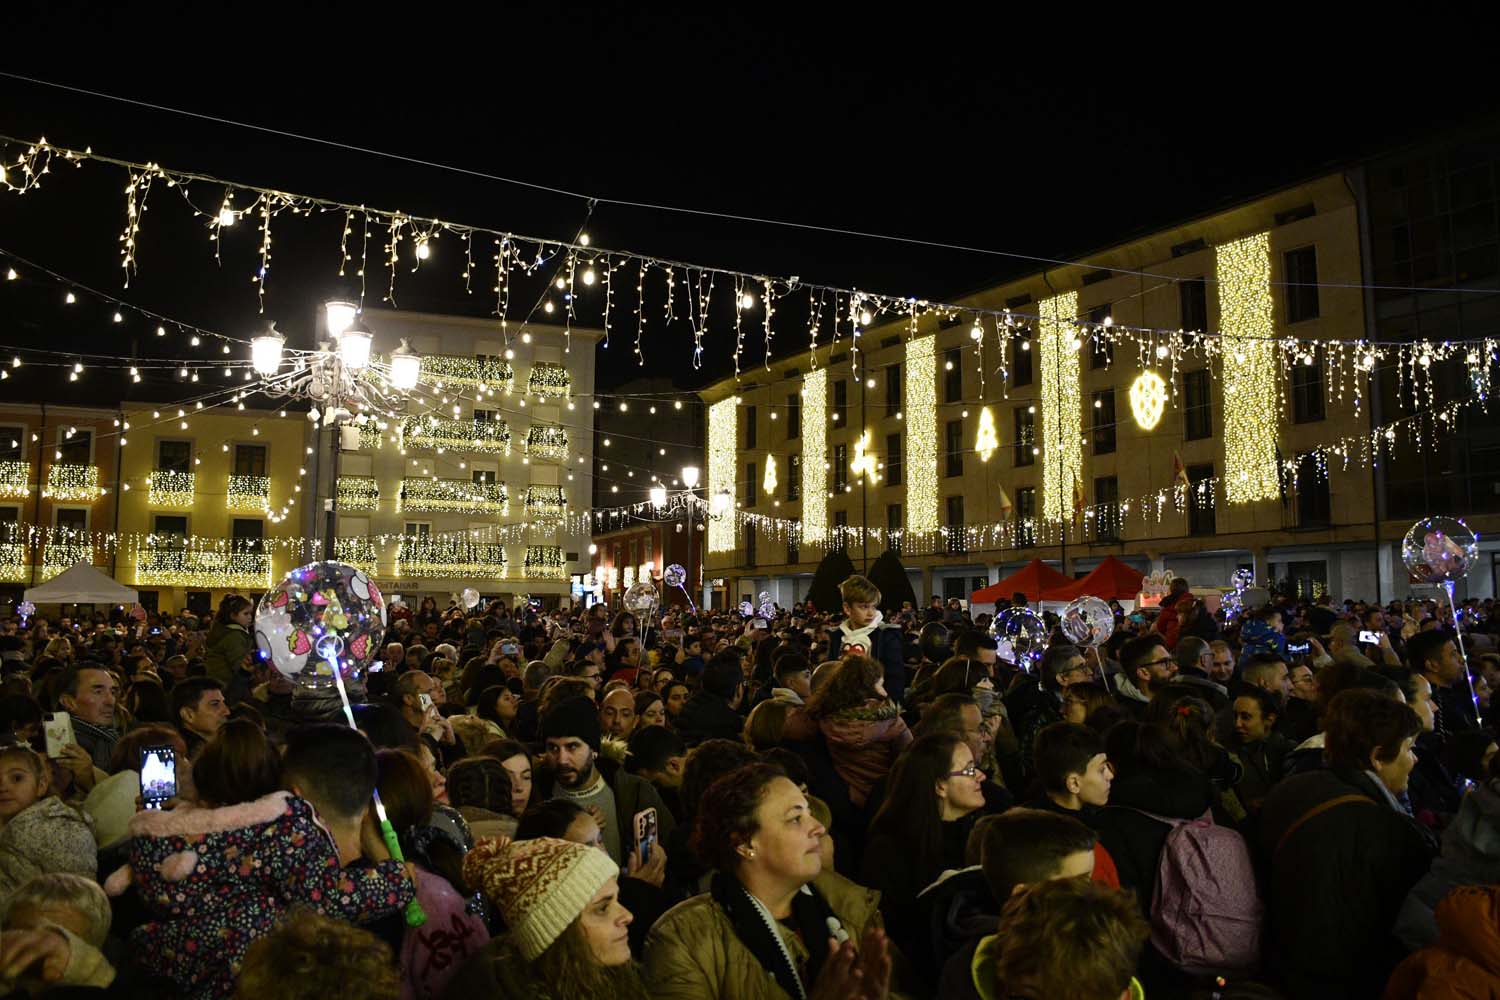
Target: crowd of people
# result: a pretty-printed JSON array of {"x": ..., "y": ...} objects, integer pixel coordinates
[{"x": 1296, "y": 800}]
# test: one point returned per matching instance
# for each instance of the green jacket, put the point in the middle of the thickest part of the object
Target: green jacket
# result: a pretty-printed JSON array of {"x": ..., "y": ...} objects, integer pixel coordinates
[{"x": 227, "y": 648}]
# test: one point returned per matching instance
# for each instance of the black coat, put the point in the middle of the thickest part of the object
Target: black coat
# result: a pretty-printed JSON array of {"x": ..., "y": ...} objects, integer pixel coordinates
[
  {"x": 1134, "y": 841},
  {"x": 1334, "y": 885},
  {"x": 709, "y": 717}
]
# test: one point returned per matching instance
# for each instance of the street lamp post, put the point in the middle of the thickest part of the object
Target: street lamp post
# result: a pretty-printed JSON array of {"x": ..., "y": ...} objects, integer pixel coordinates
[{"x": 690, "y": 475}]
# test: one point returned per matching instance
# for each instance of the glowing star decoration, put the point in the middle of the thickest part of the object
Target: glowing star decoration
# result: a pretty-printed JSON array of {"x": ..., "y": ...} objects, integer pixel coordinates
[
  {"x": 920, "y": 420},
  {"x": 723, "y": 440},
  {"x": 815, "y": 456},
  {"x": 985, "y": 438},
  {"x": 768, "y": 482},
  {"x": 322, "y": 618},
  {"x": 1249, "y": 359},
  {"x": 1148, "y": 400},
  {"x": 1061, "y": 406},
  {"x": 863, "y": 463}
]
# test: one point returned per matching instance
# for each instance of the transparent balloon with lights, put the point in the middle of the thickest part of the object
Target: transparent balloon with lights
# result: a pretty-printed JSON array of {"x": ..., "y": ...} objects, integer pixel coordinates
[
  {"x": 1021, "y": 635},
  {"x": 641, "y": 597},
  {"x": 322, "y": 617},
  {"x": 1439, "y": 549},
  {"x": 1088, "y": 621},
  {"x": 470, "y": 597}
]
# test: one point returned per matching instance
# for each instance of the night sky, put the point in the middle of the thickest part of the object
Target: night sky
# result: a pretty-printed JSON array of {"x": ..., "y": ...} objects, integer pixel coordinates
[{"x": 1030, "y": 139}]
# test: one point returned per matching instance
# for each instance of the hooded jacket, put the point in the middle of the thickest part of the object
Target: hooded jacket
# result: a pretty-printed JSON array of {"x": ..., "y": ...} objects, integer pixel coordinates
[
  {"x": 1134, "y": 841},
  {"x": 864, "y": 742},
  {"x": 46, "y": 837},
  {"x": 228, "y": 645},
  {"x": 1470, "y": 856},
  {"x": 1464, "y": 963}
]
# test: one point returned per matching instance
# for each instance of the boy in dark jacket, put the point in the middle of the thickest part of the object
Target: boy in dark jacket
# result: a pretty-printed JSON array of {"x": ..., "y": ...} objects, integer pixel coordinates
[{"x": 865, "y": 633}]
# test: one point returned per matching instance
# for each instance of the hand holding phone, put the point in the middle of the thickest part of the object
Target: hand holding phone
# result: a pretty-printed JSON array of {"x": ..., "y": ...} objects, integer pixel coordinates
[
  {"x": 645, "y": 834},
  {"x": 58, "y": 728},
  {"x": 158, "y": 775},
  {"x": 1369, "y": 637}
]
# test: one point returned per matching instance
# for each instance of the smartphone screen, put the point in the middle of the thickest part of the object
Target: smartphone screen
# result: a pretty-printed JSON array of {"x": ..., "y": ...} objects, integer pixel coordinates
[
  {"x": 645, "y": 834},
  {"x": 1370, "y": 637},
  {"x": 426, "y": 700},
  {"x": 158, "y": 775},
  {"x": 58, "y": 728}
]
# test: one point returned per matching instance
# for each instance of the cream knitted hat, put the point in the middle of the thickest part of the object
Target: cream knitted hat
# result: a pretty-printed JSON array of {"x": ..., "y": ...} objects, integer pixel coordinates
[{"x": 541, "y": 886}]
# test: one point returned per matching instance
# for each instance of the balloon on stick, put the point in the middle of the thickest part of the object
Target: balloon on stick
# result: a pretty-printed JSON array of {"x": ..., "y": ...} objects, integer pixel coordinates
[{"x": 1440, "y": 550}]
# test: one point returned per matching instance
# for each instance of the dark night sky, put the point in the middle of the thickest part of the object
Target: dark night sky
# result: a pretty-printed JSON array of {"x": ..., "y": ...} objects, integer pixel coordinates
[{"x": 1035, "y": 139}]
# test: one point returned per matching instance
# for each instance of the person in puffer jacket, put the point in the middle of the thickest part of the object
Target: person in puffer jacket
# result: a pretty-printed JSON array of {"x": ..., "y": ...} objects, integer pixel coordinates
[
  {"x": 42, "y": 834},
  {"x": 1470, "y": 856},
  {"x": 1262, "y": 634},
  {"x": 862, "y": 727}
]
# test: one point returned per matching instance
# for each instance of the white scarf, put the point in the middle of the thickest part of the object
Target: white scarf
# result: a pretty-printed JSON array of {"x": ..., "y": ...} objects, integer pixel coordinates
[{"x": 859, "y": 636}]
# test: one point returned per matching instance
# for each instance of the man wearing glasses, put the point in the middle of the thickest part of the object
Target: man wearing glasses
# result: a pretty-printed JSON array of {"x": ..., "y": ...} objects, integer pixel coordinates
[{"x": 1146, "y": 667}]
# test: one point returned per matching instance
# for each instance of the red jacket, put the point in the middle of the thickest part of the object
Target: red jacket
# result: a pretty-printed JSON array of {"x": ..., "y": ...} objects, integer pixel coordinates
[{"x": 1464, "y": 964}]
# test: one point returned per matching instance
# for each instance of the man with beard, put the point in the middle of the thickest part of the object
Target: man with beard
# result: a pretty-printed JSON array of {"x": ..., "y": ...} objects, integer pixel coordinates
[{"x": 576, "y": 772}]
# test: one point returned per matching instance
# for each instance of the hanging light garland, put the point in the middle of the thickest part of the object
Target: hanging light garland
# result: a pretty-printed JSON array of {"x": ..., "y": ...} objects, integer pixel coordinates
[
  {"x": 547, "y": 442},
  {"x": 358, "y": 493},
  {"x": 549, "y": 380},
  {"x": 171, "y": 489},
  {"x": 72, "y": 483},
  {"x": 248, "y": 494},
  {"x": 545, "y": 562},
  {"x": 454, "y": 495}
]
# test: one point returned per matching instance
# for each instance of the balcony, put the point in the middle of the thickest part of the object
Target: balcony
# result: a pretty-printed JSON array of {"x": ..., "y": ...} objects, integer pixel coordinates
[
  {"x": 202, "y": 568},
  {"x": 371, "y": 435},
  {"x": 546, "y": 503},
  {"x": 72, "y": 483},
  {"x": 489, "y": 437},
  {"x": 474, "y": 373},
  {"x": 60, "y": 555},
  {"x": 545, "y": 562},
  {"x": 426, "y": 557},
  {"x": 547, "y": 442},
  {"x": 549, "y": 379},
  {"x": 357, "y": 493},
  {"x": 14, "y": 565},
  {"x": 459, "y": 496},
  {"x": 248, "y": 494},
  {"x": 358, "y": 550},
  {"x": 15, "y": 480},
  {"x": 171, "y": 489}
]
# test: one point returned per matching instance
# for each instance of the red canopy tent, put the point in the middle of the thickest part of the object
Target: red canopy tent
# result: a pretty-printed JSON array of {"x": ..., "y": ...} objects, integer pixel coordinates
[
  {"x": 1111, "y": 580},
  {"x": 1036, "y": 580}
]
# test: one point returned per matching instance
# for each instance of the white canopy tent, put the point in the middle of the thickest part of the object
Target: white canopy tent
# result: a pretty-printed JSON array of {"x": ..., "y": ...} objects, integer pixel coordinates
[{"x": 81, "y": 584}]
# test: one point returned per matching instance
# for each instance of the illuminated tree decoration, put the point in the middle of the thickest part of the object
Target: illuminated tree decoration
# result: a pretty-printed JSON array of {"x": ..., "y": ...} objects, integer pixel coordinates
[
  {"x": 1246, "y": 318},
  {"x": 985, "y": 438},
  {"x": 1148, "y": 400},
  {"x": 1062, "y": 405},
  {"x": 474, "y": 373},
  {"x": 920, "y": 418},
  {"x": 548, "y": 442},
  {"x": 166, "y": 564},
  {"x": 489, "y": 437},
  {"x": 455, "y": 495},
  {"x": 549, "y": 379},
  {"x": 815, "y": 456},
  {"x": 768, "y": 482},
  {"x": 427, "y": 557},
  {"x": 170, "y": 489},
  {"x": 15, "y": 480},
  {"x": 546, "y": 503},
  {"x": 723, "y": 440},
  {"x": 73, "y": 483},
  {"x": 545, "y": 562},
  {"x": 358, "y": 493},
  {"x": 248, "y": 494}
]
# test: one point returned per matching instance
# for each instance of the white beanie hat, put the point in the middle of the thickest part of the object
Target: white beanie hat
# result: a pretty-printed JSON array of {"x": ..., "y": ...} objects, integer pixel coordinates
[{"x": 541, "y": 886}]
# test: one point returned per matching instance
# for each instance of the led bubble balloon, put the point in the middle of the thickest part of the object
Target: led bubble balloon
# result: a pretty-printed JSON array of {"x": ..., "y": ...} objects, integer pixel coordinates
[
  {"x": 321, "y": 617},
  {"x": 1438, "y": 549},
  {"x": 765, "y": 605},
  {"x": 1023, "y": 632},
  {"x": 747, "y": 609},
  {"x": 674, "y": 575},
  {"x": 471, "y": 597},
  {"x": 641, "y": 597},
  {"x": 1088, "y": 621}
]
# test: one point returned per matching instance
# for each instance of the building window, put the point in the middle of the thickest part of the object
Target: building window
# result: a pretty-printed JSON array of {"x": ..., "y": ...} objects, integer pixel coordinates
[
  {"x": 1197, "y": 408},
  {"x": 1020, "y": 360},
  {"x": 893, "y": 459},
  {"x": 749, "y": 486},
  {"x": 749, "y": 545},
  {"x": 840, "y": 467},
  {"x": 485, "y": 416},
  {"x": 1307, "y": 390},
  {"x": 247, "y": 533},
  {"x": 12, "y": 443},
  {"x": 78, "y": 449},
  {"x": 956, "y": 535},
  {"x": 954, "y": 434},
  {"x": 1300, "y": 274},
  {"x": 1309, "y": 578},
  {"x": 750, "y": 423},
  {"x": 1025, "y": 435},
  {"x": 1192, "y": 298},
  {"x": 793, "y": 551},
  {"x": 793, "y": 417},
  {"x": 893, "y": 527},
  {"x": 953, "y": 376},
  {"x": 841, "y": 402},
  {"x": 1104, "y": 422},
  {"x": 892, "y": 389},
  {"x": 1200, "y": 501},
  {"x": 794, "y": 479},
  {"x": 174, "y": 456},
  {"x": 1314, "y": 502},
  {"x": 173, "y": 527},
  {"x": 417, "y": 528},
  {"x": 1101, "y": 348},
  {"x": 1026, "y": 517},
  {"x": 249, "y": 460},
  {"x": 1106, "y": 509}
]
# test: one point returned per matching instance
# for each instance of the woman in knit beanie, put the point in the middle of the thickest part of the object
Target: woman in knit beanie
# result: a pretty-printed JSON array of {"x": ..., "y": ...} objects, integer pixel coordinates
[{"x": 568, "y": 933}]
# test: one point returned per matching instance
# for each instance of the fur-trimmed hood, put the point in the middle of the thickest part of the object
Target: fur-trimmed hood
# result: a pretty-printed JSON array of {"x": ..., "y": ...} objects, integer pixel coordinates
[{"x": 194, "y": 822}]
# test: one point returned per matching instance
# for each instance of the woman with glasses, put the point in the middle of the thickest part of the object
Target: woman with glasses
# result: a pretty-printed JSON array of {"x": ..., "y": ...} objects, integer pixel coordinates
[{"x": 934, "y": 798}]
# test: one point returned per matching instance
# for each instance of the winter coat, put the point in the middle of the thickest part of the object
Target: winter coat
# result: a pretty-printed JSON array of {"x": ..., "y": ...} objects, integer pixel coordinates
[
  {"x": 693, "y": 952},
  {"x": 228, "y": 645},
  {"x": 708, "y": 717},
  {"x": 1470, "y": 856},
  {"x": 885, "y": 649},
  {"x": 1134, "y": 841},
  {"x": 890, "y": 865},
  {"x": 632, "y": 794},
  {"x": 432, "y": 954},
  {"x": 864, "y": 742},
  {"x": 1264, "y": 765},
  {"x": 1333, "y": 883},
  {"x": 46, "y": 837},
  {"x": 214, "y": 880},
  {"x": 1169, "y": 622},
  {"x": 1464, "y": 964}
]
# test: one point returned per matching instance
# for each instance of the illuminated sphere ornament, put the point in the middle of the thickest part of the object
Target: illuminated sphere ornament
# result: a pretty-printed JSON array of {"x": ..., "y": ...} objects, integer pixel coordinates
[
  {"x": 1022, "y": 634},
  {"x": 322, "y": 617},
  {"x": 1148, "y": 399},
  {"x": 765, "y": 605},
  {"x": 747, "y": 609},
  {"x": 674, "y": 575},
  {"x": 1088, "y": 621},
  {"x": 935, "y": 641},
  {"x": 471, "y": 597},
  {"x": 1439, "y": 549},
  {"x": 641, "y": 597}
]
